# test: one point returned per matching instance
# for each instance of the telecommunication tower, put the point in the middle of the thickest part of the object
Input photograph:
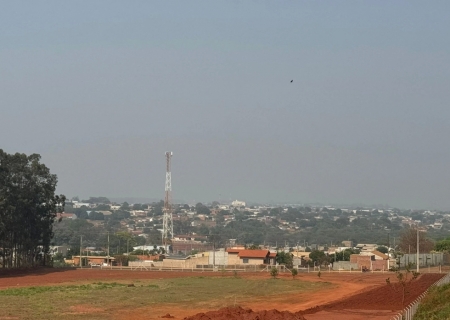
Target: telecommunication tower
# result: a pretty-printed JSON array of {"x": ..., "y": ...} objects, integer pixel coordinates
[{"x": 167, "y": 218}]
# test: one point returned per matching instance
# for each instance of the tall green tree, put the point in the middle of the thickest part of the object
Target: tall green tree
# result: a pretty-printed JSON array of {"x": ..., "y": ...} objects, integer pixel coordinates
[
  {"x": 285, "y": 258},
  {"x": 28, "y": 207},
  {"x": 443, "y": 245}
]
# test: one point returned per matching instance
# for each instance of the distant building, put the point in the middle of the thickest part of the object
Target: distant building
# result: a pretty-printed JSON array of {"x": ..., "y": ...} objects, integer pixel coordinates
[
  {"x": 237, "y": 203},
  {"x": 77, "y": 204},
  {"x": 64, "y": 215},
  {"x": 58, "y": 249},
  {"x": 366, "y": 247},
  {"x": 347, "y": 243}
]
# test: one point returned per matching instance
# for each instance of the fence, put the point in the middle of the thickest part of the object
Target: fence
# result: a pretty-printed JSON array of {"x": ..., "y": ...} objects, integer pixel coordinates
[
  {"x": 154, "y": 266},
  {"x": 409, "y": 312}
]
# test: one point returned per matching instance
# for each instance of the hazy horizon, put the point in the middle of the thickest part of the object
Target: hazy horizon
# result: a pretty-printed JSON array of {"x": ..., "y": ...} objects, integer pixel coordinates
[{"x": 102, "y": 89}]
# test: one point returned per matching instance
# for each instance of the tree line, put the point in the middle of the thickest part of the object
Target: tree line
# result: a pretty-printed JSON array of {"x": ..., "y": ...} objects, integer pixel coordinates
[{"x": 28, "y": 207}]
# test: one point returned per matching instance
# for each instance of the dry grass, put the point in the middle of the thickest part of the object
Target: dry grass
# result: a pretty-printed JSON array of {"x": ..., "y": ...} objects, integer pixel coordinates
[{"x": 99, "y": 300}]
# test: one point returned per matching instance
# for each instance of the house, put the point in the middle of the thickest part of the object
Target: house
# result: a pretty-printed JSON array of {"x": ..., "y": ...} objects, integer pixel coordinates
[
  {"x": 237, "y": 203},
  {"x": 253, "y": 257},
  {"x": 208, "y": 223},
  {"x": 364, "y": 262},
  {"x": 138, "y": 213},
  {"x": 300, "y": 258},
  {"x": 94, "y": 260},
  {"x": 366, "y": 247},
  {"x": 77, "y": 204},
  {"x": 150, "y": 258},
  {"x": 71, "y": 216},
  {"x": 347, "y": 243},
  {"x": 374, "y": 260},
  {"x": 148, "y": 248}
]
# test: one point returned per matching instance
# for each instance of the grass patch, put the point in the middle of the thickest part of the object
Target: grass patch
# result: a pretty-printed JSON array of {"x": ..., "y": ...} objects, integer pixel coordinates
[
  {"x": 29, "y": 291},
  {"x": 435, "y": 305},
  {"x": 101, "y": 300}
]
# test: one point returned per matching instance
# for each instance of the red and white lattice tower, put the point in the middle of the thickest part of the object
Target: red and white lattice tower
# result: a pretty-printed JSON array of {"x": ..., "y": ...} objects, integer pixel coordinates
[{"x": 167, "y": 218}]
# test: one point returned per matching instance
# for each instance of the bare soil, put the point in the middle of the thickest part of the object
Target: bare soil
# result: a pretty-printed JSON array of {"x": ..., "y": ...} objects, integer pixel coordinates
[
  {"x": 352, "y": 295},
  {"x": 380, "y": 302},
  {"x": 49, "y": 276},
  {"x": 238, "y": 313}
]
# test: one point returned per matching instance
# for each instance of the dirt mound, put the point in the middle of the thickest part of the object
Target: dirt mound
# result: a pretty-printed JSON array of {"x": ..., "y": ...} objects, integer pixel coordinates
[{"x": 239, "y": 313}]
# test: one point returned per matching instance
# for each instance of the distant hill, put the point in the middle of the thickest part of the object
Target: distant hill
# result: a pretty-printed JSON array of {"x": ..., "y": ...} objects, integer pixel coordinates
[{"x": 141, "y": 200}]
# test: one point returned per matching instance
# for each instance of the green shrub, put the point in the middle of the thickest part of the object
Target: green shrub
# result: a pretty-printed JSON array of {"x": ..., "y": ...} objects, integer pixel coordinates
[{"x": 274, "y": 272}]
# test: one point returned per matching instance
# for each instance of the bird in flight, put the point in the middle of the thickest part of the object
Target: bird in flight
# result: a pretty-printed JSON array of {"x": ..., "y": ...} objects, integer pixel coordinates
[{"x": 292, "y": 81}]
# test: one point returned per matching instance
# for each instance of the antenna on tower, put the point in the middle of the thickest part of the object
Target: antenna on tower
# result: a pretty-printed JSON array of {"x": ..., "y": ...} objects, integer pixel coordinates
[{"x": 167, "y": 218}]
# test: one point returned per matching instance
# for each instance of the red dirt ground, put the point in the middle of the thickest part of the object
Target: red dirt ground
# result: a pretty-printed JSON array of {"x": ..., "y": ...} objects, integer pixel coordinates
[
  {"x": 378, "y": 303},
  {"x": 239, "y": 313},
  {"x": 352, "y": 296},
  {"x": 40, "y": 277}
]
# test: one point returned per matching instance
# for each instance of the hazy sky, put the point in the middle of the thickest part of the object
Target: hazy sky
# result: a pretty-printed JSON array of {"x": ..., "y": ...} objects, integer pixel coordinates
[{"x": 101, "y": 89}]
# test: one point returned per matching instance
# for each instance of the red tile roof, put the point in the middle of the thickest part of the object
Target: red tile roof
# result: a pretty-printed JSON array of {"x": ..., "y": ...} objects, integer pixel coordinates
[
  {"x": 253, "y": 254},
  {"x": 272, "y": 255}
]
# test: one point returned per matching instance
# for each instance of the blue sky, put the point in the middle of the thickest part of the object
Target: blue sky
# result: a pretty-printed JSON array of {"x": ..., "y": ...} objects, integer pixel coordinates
[{"x": 101, "y": 89}]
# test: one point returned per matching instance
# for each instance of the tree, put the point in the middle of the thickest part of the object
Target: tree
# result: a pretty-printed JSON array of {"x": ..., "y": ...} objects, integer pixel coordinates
[
  {"x": 28, "y": 207},
  {"x": 203, "y": 230},
  {"x": 103, "y": 207},
  {"x": 202, "y": 209},
  {"x": 383, "y": 249},
  {"x": 342, "y": 222},
  {"x": 100, "y": 200},
  {"x": 274, "y": 272},
  {"x": 157, "y": 208},
  {"x": 408, "y": 241},
  {"x": 294, "y": 273},
  {"x": 215, "y": 203},
  {"x": 318, "y": 256},
  {"x": 94, "y": 215},
  {"x": 443, "y": 245},
  {"x": 285, "y": 258}
]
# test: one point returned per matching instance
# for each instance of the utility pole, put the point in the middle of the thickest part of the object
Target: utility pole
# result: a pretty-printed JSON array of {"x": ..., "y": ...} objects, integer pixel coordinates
[
  {"x": 389, "y": 241},
  {"x": 81, "y": 246},
  {"x": 214, "y": 253},
  {"x": 108, "y": 250},
  {"x": 417, "y": 250}
]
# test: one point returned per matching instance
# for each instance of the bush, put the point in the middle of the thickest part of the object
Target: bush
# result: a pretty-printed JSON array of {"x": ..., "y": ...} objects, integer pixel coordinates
[
  {"x": 294, "y": 272},
  {"x": 274, "y": 272}
]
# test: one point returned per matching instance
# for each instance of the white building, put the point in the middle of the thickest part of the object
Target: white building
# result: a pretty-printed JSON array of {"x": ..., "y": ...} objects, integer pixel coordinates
[{"x": 237, "y": 203}]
